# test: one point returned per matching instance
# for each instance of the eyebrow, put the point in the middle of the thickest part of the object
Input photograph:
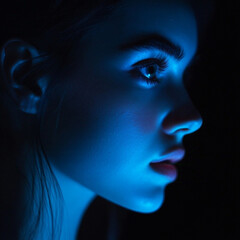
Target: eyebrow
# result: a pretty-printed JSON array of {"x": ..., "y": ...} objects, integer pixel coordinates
[{"x": 157, "y": 41}]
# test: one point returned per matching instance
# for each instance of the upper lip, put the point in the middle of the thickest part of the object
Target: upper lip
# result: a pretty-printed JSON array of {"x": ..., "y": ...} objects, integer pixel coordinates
[{"x": 175, "y": 154}]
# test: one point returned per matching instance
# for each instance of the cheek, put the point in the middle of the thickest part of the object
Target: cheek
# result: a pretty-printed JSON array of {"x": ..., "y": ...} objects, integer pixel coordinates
[{"x": 146, "y": 120}]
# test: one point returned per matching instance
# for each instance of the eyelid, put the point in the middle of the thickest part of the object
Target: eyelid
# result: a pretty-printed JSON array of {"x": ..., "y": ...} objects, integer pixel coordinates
[{"x": 162, "y": 63}]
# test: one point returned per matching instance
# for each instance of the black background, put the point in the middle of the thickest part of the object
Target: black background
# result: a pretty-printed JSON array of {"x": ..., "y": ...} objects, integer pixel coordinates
[{"x": 202, "y": 202}]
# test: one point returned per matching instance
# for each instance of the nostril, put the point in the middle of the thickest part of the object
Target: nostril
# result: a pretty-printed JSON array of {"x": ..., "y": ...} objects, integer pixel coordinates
[
  {"x": 182, "y": 129},
  {"x": 184, "y": 120}
]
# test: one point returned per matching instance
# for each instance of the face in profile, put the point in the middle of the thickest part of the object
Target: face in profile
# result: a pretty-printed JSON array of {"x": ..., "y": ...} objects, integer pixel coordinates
[{"x": 121, "y": 104}]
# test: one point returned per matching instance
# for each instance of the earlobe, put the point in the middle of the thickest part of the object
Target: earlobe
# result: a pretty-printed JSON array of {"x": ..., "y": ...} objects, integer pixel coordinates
[{"x": 18, "y": 62}]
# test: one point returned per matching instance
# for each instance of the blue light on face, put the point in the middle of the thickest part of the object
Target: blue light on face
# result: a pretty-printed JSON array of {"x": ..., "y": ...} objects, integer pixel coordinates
[{"x": 122, "y": 105}]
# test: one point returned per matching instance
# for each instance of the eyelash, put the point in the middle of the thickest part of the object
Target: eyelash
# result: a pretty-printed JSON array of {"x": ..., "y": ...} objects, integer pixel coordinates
[{"x": 162, "y": 64}]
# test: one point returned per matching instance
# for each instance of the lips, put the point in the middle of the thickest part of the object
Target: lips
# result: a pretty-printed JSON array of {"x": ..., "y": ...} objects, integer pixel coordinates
[
  {"x": 168, "y": 170},
  {"x": 164, "y": 165},
  {"x": 172, "y": 156}
]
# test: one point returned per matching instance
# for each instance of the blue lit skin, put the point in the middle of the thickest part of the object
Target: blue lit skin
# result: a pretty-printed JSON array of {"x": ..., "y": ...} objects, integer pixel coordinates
[{"x": 111, "y": 125}]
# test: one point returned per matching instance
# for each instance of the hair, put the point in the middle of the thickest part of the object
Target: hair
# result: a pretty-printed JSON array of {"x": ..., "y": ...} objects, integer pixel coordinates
[{"x": 51, "y": 26}]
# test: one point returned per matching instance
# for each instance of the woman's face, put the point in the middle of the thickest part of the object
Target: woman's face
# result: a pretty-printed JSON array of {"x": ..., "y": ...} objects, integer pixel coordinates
[{"x": 105, "y": 121}]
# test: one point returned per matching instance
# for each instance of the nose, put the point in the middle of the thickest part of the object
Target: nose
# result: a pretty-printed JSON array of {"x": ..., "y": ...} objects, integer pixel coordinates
[{"x": 184, "y": 119}]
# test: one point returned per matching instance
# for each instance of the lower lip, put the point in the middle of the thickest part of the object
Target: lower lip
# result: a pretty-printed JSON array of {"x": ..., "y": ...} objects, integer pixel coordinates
[{"x": 168, "y": 170}]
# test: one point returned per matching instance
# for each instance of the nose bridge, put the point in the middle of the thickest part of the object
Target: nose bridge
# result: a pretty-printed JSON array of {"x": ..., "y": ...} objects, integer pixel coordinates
[{"x": 183, "y": 117}]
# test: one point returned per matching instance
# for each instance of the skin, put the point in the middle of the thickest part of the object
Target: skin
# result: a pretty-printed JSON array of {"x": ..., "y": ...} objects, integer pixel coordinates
[{"x": 102, "y": 127}]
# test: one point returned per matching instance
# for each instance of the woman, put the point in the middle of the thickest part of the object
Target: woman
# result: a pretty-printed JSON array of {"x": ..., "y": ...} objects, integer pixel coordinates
[{"x": 95, "y": 102}]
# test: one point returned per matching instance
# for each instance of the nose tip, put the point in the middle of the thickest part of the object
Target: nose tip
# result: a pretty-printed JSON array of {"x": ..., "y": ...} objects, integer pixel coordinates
[{"x": 184, "y": 120}]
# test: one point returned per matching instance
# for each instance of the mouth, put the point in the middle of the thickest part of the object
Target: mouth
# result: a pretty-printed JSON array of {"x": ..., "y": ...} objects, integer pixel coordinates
[
  {"x": 165, "y": 164},
  {"x": 165, "y": 168},
  {"x": 174, "y": 155}
]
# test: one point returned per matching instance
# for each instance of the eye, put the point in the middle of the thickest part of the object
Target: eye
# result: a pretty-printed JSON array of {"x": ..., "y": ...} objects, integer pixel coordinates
[{"x": 150, "y": 70}]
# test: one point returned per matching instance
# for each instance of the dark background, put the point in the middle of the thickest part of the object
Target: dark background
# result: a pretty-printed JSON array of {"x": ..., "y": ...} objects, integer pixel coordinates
[{"x": 202, "y": 202}]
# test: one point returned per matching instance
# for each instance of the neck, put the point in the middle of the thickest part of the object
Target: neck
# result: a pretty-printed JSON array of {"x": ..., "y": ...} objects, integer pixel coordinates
[{"x": 76, "y": 201}]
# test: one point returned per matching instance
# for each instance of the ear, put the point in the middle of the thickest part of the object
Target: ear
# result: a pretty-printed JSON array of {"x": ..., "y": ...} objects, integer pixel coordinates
[{"x": 24, "y": 85}]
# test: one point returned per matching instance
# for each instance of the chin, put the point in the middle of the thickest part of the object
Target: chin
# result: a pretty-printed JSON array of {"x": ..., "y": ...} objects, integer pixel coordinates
[{"x": 147, "y": 206}]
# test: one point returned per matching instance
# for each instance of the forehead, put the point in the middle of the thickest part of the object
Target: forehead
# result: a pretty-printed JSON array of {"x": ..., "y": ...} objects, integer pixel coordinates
[{"x": 174, "y": 19}]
